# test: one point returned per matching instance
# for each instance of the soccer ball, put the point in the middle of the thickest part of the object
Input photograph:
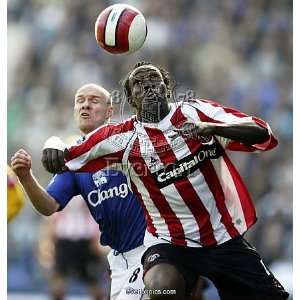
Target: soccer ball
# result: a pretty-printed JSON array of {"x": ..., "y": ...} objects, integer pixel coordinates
[{"x": 120, "y": 28}]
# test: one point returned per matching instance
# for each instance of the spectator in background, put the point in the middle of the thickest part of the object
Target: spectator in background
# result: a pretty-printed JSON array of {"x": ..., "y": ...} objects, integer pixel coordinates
[{"x": 15, "y": 195}]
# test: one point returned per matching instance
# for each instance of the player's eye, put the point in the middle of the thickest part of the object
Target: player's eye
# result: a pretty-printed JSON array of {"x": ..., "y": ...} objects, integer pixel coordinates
[
  {"x": 154, "y": 77},
  {"x": 80, "y": 100},
  {"x": 138, "y": 89}
]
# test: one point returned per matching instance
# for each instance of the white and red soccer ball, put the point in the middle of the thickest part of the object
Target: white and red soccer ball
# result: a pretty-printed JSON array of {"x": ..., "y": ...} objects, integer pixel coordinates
[{"x": 120, "y": 28}]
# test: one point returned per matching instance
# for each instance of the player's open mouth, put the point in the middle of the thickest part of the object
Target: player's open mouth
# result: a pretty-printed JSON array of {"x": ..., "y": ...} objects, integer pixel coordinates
[{"x": 84, "y": 115}]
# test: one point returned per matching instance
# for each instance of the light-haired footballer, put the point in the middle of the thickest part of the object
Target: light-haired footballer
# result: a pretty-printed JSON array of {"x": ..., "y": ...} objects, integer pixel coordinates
[{"x": 111, "y": 203}]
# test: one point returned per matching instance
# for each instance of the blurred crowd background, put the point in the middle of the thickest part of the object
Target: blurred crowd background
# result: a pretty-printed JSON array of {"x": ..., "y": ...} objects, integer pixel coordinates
[{"x": 236, "y": 52}]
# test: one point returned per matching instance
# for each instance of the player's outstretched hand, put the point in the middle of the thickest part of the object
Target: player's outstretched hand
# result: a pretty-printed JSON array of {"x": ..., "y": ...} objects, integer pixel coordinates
[
  {"x": 21, "y": 164},
  {"x": 53, "y": 160}
]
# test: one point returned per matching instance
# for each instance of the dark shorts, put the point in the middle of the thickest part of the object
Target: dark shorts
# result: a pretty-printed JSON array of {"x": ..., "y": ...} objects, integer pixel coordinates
[
  {"x": 235, "y": 268},
  {"x": 77, "y": 259}
]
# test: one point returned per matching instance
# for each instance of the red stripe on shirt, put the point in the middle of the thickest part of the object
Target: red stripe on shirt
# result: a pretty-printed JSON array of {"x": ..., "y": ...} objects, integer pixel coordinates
[
  {"x": 178, "y": 118},
  {"x": 245, "y": 199},
  {"x": 102, "y": 162},
  {"x": 174, "y": 225},
  {"x": 270, "y": 143},
  {"x": 150, "y": 226},
  {"x": 227, "y": 109},
  {"x": 234, "y": 145},
  {"x": 184, "y": 187},
  {"x": 98, "y": 136},
  {"x": 215, "y": 187},
  {"x": 237, "y": 146}
]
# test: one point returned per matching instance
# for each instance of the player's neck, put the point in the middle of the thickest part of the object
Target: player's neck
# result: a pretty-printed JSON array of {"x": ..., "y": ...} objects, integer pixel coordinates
[
  {"x": 86, "y": 131},
  {"x": 83, "y": 133}
]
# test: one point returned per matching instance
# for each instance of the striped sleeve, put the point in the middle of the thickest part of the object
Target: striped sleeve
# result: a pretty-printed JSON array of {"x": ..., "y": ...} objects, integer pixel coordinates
[
  {"x": 101, "y": 148},
  {"x": 210, "y": 111}
]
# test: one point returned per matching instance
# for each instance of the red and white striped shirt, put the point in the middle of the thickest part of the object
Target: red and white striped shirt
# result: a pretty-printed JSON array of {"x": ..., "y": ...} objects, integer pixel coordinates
[{"x": 192, "y": 193}]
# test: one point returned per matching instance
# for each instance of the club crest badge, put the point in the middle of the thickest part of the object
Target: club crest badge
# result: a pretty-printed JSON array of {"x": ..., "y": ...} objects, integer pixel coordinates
[{"x": 99, "y": 178}]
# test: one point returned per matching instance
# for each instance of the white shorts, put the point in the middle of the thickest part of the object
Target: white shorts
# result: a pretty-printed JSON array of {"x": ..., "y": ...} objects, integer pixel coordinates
[{"x": 127, "y": 275}]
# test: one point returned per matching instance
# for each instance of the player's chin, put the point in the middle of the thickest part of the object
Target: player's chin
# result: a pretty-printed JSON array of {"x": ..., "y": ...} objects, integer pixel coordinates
[{"x": 156, "y": 99}]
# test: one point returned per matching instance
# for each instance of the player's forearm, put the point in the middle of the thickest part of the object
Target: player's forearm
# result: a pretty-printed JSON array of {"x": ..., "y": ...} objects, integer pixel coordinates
[
  {"x": 41, "y": 200},
  {"x": 247, "y": 133},
  {"x": 56, "y": 158}
]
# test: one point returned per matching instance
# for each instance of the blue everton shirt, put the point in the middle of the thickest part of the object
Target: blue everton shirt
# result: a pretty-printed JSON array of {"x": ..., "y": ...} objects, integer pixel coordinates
[{"x": 112, "y": 204}]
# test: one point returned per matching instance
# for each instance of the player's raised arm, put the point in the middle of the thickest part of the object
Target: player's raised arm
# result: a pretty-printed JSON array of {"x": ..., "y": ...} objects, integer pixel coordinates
[
  {"x": 41, "y": 200},
  {"x": 102, "y": 147},
  {"x": 234, "y": 129}
]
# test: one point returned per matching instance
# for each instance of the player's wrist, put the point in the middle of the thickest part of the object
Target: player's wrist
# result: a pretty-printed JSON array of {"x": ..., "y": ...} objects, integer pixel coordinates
[
  {"x": 208, "y": 128},
  {"x": 25, "y": 178},
  {"x": 54, "y": 142}
]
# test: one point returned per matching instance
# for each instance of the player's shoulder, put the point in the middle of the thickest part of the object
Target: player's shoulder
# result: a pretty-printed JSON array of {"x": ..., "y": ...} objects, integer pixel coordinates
[
  {"x": 62, "y": 177},
  {"x": 200, "y": 104},
  {"x": 121, "y": 127},
  {"x": 128, "y": 124},
  {"x": 112, "y": 128},
  {"x": 200, "y": 101}
]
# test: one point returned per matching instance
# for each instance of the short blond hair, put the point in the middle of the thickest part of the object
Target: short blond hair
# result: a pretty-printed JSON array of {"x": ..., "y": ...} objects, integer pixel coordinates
[{"x": 100, "y": 88}]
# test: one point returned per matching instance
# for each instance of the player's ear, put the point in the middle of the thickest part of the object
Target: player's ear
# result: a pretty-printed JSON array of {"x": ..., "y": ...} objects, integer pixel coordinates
[
  {"x": 169, "y": 94},
  {"x": 109, "y": 112},
  {"x": 165, "y": 90}
]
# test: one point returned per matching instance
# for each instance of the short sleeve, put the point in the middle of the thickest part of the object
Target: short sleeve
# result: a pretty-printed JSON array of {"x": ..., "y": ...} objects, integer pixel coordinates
[{"x": 63, "y": 188}]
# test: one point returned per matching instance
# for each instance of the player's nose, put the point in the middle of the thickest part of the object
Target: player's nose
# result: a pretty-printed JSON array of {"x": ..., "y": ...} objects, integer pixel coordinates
[{"x": 85, "y": 104}]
